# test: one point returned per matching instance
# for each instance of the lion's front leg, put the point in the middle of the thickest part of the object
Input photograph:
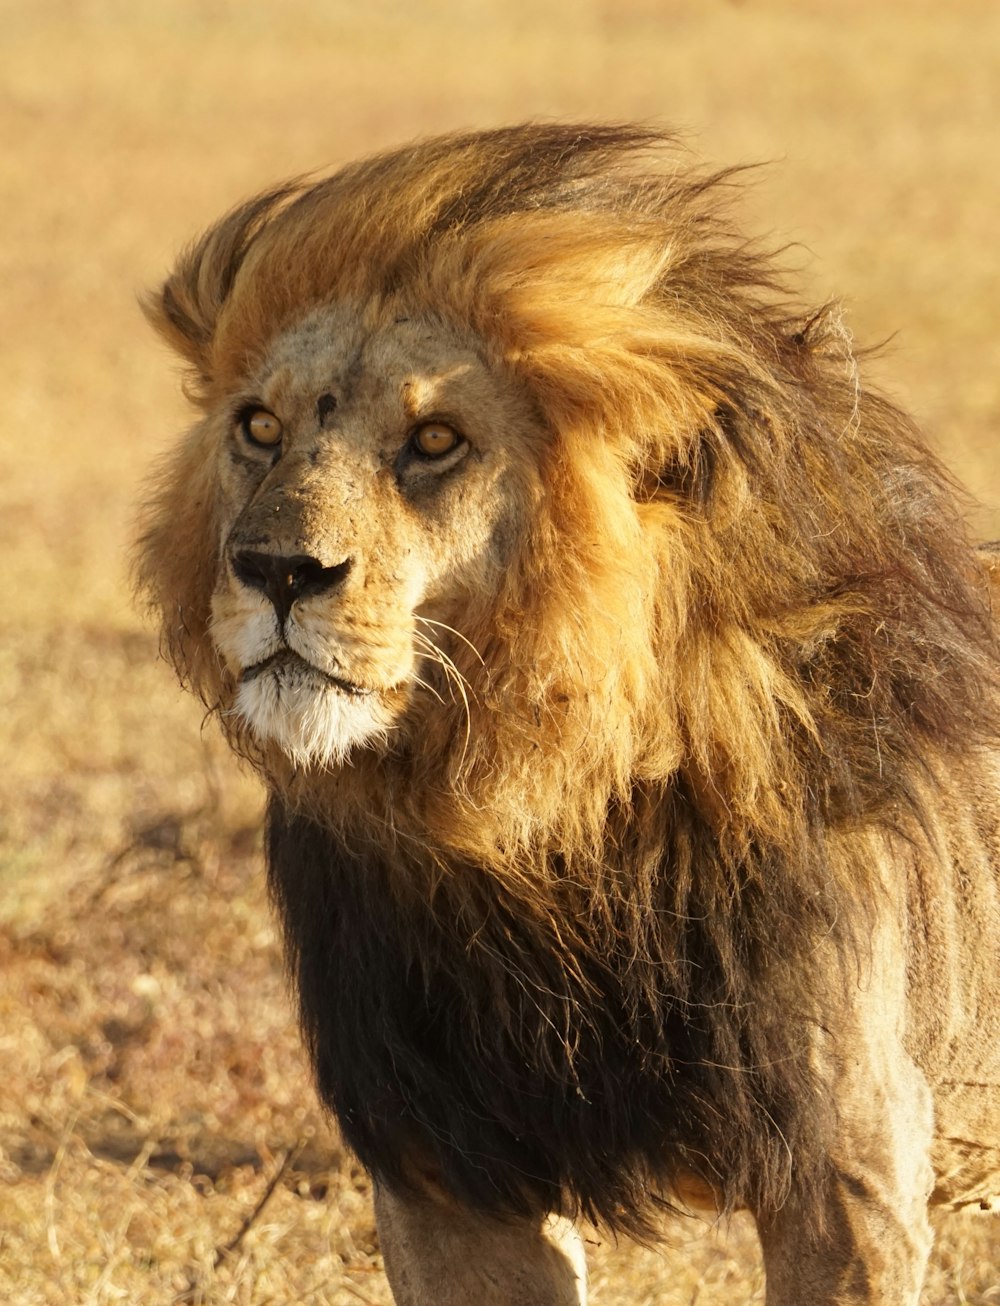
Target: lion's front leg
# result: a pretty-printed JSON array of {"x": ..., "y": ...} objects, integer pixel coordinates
[
  {"x": 440, "y": 1254},
  {"x": 872, "y": 1252},
  {"x": 873, "y": 1248}
]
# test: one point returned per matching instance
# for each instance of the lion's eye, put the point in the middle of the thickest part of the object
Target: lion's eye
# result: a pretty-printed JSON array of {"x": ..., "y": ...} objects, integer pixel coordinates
[
  {"x": 261, "y": 427},
  {"x": 434, "y": 439}
]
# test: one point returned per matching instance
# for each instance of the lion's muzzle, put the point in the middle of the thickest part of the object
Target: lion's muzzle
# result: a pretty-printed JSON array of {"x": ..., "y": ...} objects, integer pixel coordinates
[{"x": 305, "y": 677}]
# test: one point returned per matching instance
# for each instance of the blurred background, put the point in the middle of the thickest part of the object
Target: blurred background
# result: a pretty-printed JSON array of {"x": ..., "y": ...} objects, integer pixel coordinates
[{"x": 159, "y": 1140}]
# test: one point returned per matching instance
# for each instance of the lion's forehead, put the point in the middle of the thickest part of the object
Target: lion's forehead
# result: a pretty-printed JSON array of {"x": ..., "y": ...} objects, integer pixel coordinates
[{"x": 336, "y": 359}]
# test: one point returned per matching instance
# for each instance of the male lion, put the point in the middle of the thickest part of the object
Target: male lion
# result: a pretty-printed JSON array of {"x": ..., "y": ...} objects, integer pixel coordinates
[{"x": 626, "y": 691}]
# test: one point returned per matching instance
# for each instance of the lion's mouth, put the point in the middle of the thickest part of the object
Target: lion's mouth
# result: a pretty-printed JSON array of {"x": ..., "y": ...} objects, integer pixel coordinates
[{"x": 285, "y": 661}]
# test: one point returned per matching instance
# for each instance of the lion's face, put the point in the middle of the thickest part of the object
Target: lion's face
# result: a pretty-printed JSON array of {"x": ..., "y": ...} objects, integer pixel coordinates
[{"x": 370, "y": 476}]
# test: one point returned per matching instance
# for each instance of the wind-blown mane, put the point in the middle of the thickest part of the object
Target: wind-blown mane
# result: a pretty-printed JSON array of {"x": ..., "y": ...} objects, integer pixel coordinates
[{"x": 744, "y": 630}]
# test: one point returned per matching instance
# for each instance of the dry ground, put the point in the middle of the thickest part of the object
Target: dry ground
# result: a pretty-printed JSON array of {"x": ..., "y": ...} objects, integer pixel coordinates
[{"x": 153, "y": 1092}]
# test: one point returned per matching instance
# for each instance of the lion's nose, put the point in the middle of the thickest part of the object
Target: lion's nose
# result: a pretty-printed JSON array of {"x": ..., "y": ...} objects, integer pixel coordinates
[{"x": 284, "y": 580}]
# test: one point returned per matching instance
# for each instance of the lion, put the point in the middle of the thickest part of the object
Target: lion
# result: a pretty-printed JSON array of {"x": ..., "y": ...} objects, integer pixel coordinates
[{"x": 626, "y": 690}]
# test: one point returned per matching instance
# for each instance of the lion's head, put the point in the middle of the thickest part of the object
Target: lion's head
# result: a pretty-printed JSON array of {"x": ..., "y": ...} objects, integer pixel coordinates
[
  {"x": 526, "y": 527},
  {"x": 515, "y": 473}
]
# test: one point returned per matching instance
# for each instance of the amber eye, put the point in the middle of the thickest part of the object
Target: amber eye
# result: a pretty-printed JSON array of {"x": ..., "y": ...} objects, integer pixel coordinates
[
  {"x": 434, "y": 439},
  {"x": 261, "y": 427}
]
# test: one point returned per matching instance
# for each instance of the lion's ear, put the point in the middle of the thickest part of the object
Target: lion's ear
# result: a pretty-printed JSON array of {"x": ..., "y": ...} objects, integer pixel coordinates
[
  {"x": 186, "y": 308},
  {"x": 177, "y": 317}
]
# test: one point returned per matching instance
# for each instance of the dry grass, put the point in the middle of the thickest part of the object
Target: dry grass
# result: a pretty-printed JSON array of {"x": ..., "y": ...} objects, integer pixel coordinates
[{"x": 153, "y": 1088}]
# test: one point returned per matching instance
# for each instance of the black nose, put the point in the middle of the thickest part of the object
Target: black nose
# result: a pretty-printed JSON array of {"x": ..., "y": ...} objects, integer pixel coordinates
[{"x": 284, "y": 580}]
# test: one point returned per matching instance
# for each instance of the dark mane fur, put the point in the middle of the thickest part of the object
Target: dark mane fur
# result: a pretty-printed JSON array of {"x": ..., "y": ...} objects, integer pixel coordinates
[{"x": 578, "y": 1054}]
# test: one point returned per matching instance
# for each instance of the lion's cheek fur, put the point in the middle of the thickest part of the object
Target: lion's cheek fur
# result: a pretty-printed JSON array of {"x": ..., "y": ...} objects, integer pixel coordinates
[
  {"x": 244, "y": 633},
  {"x": 177, "y": 556}
]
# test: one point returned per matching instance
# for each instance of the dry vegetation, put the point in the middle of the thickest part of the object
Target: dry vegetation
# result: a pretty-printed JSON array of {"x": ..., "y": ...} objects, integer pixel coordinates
[{"x": 153, "y": 1093}]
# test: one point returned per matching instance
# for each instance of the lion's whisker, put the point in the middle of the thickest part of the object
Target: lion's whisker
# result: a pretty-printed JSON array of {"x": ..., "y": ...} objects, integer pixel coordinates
[
  {"x": 442, "y": 625},
  {"x": 425, "y": 684},
  {"x": 447, "y": 664},
  {"x": 454, "y": 677}
]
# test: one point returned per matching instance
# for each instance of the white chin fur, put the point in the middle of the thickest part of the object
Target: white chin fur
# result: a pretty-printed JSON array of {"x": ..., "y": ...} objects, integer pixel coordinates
[{"x": 310, "y": 720}]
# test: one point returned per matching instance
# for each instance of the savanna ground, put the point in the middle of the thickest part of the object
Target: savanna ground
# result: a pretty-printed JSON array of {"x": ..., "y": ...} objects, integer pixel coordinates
[{"x": 159, "y": 1139}]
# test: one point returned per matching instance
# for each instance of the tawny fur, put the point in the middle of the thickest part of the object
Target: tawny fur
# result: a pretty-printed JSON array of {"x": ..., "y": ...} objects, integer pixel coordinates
[{"x": 728, "y": 645}]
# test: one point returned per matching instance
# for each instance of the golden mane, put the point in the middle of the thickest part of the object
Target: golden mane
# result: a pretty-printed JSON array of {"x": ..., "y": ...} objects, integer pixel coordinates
[{"x": 746, "y": 615}]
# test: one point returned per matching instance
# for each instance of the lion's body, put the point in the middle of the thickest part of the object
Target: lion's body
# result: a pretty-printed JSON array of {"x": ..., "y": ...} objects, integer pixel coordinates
[{"x": 627, "y": 692}]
